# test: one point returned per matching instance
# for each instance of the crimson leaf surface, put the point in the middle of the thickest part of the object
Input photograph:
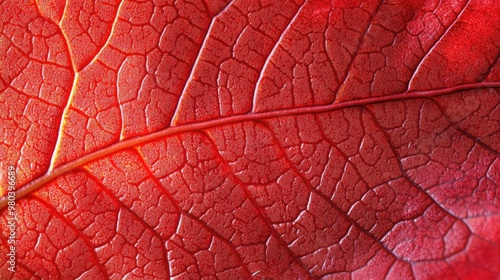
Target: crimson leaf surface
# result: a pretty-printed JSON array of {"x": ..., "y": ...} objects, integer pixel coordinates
[{"x": 251, "y": 139}]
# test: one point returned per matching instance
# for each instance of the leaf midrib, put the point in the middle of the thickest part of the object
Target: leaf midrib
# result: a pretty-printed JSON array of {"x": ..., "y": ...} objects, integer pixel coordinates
[{"x": 143, "y": 139}]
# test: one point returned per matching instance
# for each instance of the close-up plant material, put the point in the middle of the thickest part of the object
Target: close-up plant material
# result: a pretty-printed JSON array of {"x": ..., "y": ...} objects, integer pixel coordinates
[{"x": 247, "y": 139}]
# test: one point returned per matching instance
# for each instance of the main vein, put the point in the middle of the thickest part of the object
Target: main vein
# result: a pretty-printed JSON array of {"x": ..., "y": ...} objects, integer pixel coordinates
[{"x": 67, "y": 167}]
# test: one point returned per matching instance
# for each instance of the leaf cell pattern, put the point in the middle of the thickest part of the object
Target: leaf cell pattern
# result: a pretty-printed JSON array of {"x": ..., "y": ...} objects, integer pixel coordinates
[{"x": 251, "y": 139}]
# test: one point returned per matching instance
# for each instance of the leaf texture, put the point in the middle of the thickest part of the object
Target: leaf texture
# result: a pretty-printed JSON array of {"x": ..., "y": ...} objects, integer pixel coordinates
[{"x": 251, "y": 139}]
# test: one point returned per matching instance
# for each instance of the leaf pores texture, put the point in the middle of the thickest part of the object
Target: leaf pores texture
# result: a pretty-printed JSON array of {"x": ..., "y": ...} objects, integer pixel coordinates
[{"x": 265, "y": 139}]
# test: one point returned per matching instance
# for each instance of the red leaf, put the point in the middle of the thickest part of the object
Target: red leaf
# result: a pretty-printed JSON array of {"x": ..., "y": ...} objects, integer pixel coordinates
[{"x": 247, "y": 139}]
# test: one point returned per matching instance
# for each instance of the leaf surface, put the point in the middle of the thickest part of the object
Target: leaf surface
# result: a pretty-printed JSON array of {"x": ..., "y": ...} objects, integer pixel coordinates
[{"x": 251, "y": 139}]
